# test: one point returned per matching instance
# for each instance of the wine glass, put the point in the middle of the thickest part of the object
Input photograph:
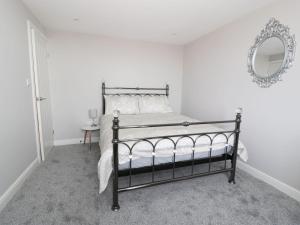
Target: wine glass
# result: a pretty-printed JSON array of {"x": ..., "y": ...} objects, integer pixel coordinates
[{"x": 93, "y": 114}]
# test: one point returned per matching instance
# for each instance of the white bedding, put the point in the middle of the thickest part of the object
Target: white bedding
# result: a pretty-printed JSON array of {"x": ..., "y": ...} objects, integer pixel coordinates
[{"x": 164, "y": 149}]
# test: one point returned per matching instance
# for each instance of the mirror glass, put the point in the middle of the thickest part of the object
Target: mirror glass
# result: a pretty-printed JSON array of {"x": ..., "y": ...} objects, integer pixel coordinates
[{"x": 269, "y": 57}]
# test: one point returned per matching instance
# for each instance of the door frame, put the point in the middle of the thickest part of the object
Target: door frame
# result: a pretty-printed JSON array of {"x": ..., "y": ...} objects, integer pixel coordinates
[{"x": 34, "y": 84}]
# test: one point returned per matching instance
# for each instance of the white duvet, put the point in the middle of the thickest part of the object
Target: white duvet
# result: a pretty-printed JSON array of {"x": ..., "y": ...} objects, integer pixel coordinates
[{"x": 165, "y": 148}]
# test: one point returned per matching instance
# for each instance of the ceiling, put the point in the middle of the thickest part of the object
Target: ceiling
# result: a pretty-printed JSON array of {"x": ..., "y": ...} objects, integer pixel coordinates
[{"x": 166, "y": 21}]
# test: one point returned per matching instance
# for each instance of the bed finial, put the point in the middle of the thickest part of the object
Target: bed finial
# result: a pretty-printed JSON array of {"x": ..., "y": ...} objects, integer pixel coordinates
[
  {"x": 239, "y": 110},
  {"x": 116, "y": 113}
]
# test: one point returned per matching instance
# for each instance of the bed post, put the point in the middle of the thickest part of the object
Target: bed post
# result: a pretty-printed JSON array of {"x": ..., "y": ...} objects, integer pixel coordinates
[
  {"x": 167, "y": 90},
  {"x": 115, "y": 127},
  {"x": 103, "y": 99},
  {"x": 236, "y": 143}
]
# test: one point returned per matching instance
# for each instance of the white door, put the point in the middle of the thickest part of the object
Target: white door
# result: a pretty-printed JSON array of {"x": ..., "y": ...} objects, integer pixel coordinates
[{"x": 41, "y": 91}]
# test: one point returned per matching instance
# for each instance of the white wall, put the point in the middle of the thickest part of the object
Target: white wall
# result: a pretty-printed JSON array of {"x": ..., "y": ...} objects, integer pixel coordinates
[
  {"x": 78, "y": 63},
  {"x": 17, "y": 135},
  {"x": 216, "y": 82}
]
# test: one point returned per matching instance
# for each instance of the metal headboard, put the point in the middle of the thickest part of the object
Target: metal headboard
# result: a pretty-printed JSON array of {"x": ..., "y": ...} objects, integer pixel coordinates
[{"x": 132, "y": 91}]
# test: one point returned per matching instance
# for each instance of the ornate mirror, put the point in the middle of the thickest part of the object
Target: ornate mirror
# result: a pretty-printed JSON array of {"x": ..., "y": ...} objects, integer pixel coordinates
[{"x": 272, "y": 54}]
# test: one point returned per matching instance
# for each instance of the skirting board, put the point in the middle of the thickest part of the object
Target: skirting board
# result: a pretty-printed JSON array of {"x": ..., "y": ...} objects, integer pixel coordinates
[
  {"x": 283, "y": 187},
  {"x": 73, "y": 141},
  {"x": 11, "y": 191}
]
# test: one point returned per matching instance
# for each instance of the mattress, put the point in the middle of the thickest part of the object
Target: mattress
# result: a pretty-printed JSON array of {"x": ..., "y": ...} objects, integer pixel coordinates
[{"x": 141, "y": 154}]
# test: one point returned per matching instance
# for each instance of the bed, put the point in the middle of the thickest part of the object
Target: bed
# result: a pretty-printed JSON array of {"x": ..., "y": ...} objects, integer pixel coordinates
[{"x": 152, "y": 140}]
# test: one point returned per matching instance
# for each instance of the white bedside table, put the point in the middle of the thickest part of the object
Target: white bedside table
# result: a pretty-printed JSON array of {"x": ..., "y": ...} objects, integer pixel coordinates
[{"x": 88, "y": 129}]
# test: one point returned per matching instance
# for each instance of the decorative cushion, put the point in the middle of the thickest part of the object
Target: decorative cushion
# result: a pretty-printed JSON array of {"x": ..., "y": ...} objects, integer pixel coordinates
[
  {"x": 154, "y": 104},
  {"x": 125, "y": 104}
]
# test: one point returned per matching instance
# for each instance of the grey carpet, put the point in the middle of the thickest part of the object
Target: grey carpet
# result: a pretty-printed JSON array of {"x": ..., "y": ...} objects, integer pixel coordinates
[{"x": 64, "y": 190}]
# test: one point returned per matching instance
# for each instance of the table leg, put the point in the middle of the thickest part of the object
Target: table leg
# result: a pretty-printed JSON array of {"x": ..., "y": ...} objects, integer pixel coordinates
[
  {"x": 85, "y": 133},
  {"x": 90, "y": 139}
]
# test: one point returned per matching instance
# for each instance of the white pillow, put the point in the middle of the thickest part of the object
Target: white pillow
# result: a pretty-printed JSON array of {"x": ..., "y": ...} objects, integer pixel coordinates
[
  {"x": 154, "y": 104},
  {"x": 125, "y": 104}
]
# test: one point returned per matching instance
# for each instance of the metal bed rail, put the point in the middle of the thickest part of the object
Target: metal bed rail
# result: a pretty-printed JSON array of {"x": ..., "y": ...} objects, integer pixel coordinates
[{"x": 155, "y": 140}]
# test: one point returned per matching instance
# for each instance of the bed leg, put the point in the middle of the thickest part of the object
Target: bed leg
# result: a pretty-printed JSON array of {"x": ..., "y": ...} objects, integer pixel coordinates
[
  {"x": 232, "y": 181},
  {"x": 236, "y": 143},
  {"x": 115, "y": 141},
  {"x": 232, "y": 175},
  {"x": 115, "y": 207}
]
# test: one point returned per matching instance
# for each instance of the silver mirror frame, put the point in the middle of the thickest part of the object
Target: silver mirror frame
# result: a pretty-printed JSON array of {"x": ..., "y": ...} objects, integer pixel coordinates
[{"x": 273, "y": 29}]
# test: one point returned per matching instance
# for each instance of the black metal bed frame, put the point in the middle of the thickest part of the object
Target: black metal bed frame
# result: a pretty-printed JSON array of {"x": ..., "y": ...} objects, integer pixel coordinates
[{"x": 153, "y": 141}]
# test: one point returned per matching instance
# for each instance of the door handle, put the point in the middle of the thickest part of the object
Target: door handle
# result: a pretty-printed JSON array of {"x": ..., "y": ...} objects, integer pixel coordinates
[{"x": 40, "y": 98}]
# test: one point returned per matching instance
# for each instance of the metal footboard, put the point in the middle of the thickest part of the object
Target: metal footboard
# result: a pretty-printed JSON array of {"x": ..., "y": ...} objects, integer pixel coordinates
[{"x": 155, "y": 140}]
